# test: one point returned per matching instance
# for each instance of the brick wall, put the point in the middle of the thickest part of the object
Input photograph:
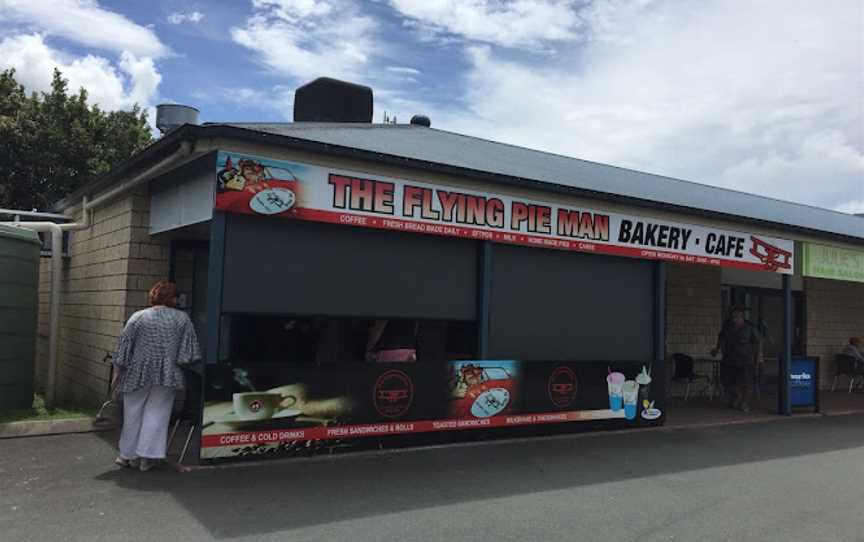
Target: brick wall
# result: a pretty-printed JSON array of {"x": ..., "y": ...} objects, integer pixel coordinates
[
  {"x": 693, "y": 309},
  {"x": 111, "y": 266},
  {"x": 148, "y": 256},
  {"x": 835, "y": 312}
]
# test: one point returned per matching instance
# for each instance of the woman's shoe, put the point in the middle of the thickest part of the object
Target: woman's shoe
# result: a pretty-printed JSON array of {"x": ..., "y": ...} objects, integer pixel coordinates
[
  {"x": 146, "y": 464},
  {"x": 126, "y": 463}
]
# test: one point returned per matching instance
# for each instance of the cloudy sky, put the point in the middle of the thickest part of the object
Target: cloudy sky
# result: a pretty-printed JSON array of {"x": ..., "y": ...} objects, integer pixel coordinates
[{"x": 765, "y": 96}]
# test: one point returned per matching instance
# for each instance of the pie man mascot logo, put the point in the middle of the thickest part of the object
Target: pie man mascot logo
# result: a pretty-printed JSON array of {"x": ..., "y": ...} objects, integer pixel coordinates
[
  {"x": 251, "y": 187},
  {"x": 481, "y": 392}
]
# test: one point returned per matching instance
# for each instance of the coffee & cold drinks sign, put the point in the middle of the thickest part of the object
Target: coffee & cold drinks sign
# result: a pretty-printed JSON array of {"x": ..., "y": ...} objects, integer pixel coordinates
[{"x": 254, "y": 185}]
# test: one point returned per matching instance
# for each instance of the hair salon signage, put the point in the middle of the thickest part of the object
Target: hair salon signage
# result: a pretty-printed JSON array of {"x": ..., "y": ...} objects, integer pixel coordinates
[
  {"x": 833, "y": 263},
  {"x": 253, "y": 185}
]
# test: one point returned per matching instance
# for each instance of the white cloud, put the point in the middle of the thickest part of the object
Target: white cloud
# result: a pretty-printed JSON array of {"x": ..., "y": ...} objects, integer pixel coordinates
[
  {"x": 143, "y": 77},
  {"x": 85, "y": 22},
  {"x": 752, "y": 96},
  {"x": 508, "y": 23},
  {"x": 306, "y": 39},
  {"x": 402, "y": 70},
  {"x": 133, "y": 80},
  {"x": 277, "y": 98},
  {"x": 180, "y": 17},
  {"x": 293, "y": 10}
]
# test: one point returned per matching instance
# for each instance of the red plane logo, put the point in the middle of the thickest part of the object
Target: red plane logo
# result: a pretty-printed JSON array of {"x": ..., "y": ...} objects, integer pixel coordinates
[{"x": 773, "y": 258}]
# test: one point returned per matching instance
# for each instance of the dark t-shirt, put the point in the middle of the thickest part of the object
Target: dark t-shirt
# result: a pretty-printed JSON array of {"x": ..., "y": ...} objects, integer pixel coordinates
[{"x": 739, "y": 344}]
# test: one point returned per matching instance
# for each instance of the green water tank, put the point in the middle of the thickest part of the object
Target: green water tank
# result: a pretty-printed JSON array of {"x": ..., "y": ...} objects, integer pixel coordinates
[{"x": 19, "y": 312}]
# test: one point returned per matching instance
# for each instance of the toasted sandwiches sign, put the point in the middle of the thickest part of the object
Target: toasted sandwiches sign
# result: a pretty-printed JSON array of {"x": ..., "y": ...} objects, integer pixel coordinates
[{"x": 253, "y": 185}]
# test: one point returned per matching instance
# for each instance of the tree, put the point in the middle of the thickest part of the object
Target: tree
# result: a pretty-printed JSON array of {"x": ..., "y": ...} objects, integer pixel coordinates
[{"x": 51, "y": 143}]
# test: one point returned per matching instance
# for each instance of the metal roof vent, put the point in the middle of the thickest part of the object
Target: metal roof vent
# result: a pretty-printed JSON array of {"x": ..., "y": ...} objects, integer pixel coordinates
[
  {"x": 170, "y": 116},
  {"x": 331, "y": 100},
  {"x": 421, "y": 120}
]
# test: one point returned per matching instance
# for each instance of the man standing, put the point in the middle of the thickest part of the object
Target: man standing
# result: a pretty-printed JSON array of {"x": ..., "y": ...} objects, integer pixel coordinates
[
  {"x": 853, "y": 349},
  {"x": 739, "y": 342}
]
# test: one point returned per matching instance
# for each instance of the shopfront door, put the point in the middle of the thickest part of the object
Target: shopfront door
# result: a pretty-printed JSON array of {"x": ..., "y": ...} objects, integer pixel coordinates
[
  {"x": 189, "y": 268},
  {"x": 764, "y": 307}
]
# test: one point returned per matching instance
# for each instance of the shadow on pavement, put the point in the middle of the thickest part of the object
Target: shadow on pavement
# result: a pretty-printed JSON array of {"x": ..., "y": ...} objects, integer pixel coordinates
[{"x": 258, "y": 499}]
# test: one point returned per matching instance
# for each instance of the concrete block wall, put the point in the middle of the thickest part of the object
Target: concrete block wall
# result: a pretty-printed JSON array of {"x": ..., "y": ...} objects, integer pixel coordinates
[
  {"x": 835, "y": 312},
  {"x": 111, "y": 267},
  {"x": 92, "y": 309},
  {"x": 148, "y": 256},
  {"x": 694, "y": 309}
]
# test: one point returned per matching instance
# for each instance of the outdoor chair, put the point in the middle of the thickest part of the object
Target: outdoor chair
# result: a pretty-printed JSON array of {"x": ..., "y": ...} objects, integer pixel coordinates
[
  {"x": 847, "y": 366},
  {"x": 684, "y": 373}
]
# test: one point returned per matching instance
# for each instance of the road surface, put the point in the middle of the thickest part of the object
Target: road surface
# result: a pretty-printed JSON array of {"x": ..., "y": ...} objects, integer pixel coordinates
[{"x": 790, "y": 479}]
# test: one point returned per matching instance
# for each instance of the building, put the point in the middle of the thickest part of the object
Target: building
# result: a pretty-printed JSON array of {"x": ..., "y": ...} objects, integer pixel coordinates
[{"x": 556, "y": 266}]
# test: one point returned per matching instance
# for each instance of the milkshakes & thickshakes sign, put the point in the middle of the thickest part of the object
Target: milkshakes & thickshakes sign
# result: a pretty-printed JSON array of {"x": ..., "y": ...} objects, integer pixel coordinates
[{"x": 253, "y": 185}]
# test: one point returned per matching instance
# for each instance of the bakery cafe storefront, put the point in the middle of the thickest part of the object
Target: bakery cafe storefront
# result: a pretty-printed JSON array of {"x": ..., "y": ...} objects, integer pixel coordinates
[{"x": 344, "y": 306}]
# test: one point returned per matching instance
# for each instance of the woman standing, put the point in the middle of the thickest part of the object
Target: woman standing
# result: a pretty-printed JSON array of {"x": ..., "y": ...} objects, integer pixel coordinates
[{"x": 153, "y": 346}]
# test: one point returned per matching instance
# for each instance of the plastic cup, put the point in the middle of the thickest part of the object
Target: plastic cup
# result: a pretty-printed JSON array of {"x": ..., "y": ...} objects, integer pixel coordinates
[
  {"x": 630, "y": 394},
  {"x": 644, "y": 381},
  {"x": 615, "y": 382}
]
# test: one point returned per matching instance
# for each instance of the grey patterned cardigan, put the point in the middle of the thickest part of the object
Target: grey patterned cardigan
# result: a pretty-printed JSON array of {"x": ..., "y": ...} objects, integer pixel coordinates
[{"x": 153, "y": 346}]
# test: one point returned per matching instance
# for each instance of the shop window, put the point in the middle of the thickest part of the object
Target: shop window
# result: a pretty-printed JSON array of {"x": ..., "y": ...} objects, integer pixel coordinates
[
  {"x": 279, "y": 266},
  {"x": 253, "y": 339},
  {"x": 558, "y": 305}
]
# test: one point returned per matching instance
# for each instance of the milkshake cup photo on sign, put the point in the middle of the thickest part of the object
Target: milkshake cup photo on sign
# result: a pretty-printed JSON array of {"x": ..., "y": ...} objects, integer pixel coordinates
[
  {"x": 630, "y": 393},
  {"x": 615, "y": 382},
  {"x": 644, "y": 381}
]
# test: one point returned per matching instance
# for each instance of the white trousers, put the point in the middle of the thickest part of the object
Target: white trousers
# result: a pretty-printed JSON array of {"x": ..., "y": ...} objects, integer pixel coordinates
[{"x": 146, "y": 415}]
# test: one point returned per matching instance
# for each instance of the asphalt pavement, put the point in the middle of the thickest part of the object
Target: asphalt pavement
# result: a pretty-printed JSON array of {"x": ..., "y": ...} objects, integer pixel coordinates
[{"x": 788, "y": 479}]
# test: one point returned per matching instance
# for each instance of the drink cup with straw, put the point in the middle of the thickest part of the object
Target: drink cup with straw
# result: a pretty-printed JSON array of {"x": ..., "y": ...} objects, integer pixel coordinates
[{"x": 615, "y": 383}]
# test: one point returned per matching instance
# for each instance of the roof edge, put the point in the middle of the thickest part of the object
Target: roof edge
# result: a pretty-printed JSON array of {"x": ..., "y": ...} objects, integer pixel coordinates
[
  {"x": 163, "y": 146},
  {"x": 190, "y": 132},
  {"x": 227, "y": 130}
]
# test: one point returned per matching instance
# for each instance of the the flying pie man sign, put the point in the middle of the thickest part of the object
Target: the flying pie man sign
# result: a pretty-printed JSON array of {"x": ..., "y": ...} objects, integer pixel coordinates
[{"x": 262, "y": 186}]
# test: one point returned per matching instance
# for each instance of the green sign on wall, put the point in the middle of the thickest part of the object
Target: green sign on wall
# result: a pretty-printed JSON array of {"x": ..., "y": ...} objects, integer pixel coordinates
[{"x": 833, "y": 263}]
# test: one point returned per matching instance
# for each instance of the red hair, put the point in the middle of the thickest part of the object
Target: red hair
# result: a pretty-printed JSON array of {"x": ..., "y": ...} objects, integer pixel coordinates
[{"x": 163, "y": 293}]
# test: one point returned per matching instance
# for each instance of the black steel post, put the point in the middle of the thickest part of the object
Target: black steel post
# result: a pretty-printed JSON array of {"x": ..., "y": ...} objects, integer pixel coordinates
[
  {"x": 658, "y": 372},
  {"x": 483, "y": 299},
  {"x": 215, "y": 272},
  {"x": 786, "y": 359}
]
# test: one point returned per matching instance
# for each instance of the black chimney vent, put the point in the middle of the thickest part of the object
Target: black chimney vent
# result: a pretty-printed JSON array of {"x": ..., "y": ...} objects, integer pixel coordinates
[
  {"x": 331, "y": 100},
  {"x": 421, "y": 120}
]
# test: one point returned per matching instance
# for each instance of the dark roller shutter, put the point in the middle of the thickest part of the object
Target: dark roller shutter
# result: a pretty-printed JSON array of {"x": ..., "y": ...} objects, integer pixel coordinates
[
  {"x": 555, "y": 305},
  {"x": 291, "y": 267}
]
